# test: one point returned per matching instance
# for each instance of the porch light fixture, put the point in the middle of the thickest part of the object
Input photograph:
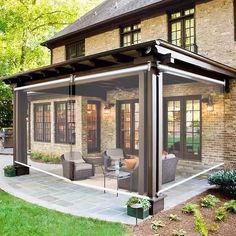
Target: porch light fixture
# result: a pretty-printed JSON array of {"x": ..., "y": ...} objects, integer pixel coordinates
[
  {"x": 107, "y": 107},
  {"x": 209, "y": 102}
]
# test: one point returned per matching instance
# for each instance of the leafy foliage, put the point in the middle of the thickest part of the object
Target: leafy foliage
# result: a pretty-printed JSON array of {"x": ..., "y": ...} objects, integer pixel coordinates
[
  {"x": 9, "y": 169},
  {"x": 190, "y": 208},
  {"x": 200, "y": 225},
  {"x": 221, "y": 214},
  {"x": 174, "y": 217},
  {"x": 230, "y": 206},
  {"x": 213, "y": 228},
  {"x": 135, "y": 200},
  {"x": 24, "y": 24},
  {"x": 155, "y": 225},
  {"x": 5, "y": 106},
  {"x": 226, "y": 180},
  {"x": 209, "y": 201},
  {"x": 46, "y": 157},
  {"x": 179, "y": 232}
]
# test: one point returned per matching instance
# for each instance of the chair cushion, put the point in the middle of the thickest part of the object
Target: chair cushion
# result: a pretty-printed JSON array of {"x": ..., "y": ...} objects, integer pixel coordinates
[
  {"x": 83, "y": 166},
  {"x": 129, "y": 164}
]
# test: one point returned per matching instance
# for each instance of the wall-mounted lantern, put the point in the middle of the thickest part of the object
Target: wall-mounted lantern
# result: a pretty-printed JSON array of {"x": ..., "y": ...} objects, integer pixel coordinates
[
  {"x": 209, "y": 102},
  {"x": 107, "y": 107}
]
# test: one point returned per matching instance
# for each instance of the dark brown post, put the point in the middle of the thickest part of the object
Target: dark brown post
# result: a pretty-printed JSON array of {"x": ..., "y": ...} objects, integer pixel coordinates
[
  {"x": 20, "y": 131},
  {"x": 153, "y": 138},
  {"x": 142, "y": 177}
]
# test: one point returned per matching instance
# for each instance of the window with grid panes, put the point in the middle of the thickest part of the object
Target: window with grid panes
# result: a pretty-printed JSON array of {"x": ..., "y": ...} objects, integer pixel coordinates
[
  {"x": 65, "y": 122},
  {"x": 130, "y": 35},
  {"x": 75, "y": 50},
  {"x": 42, "y": 122},
  {"x": 182, "y": 29}
]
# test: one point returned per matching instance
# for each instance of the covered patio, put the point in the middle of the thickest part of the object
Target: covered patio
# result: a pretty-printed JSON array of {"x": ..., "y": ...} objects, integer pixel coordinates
[{"x": 174, "y": 98}]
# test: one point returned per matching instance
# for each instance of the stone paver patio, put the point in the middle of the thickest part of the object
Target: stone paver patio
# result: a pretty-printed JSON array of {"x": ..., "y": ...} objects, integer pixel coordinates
[{"x": 57, "y": 194}]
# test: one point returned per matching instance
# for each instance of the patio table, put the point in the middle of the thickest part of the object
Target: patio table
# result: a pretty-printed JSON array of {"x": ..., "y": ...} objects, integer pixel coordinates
[{"x": 114, "y": 174}]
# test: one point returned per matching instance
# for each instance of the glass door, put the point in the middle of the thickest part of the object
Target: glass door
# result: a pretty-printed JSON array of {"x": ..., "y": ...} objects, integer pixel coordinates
[
  {"x": 128, "y": 126},
  {"x": 182, "y": 133}
]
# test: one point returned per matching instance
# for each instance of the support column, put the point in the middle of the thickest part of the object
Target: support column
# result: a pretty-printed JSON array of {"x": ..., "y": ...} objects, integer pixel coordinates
[
  {"x": 142, "y": 177},
  {"x": 20, "y": 131},
  {"x": 154, "y": 139}
]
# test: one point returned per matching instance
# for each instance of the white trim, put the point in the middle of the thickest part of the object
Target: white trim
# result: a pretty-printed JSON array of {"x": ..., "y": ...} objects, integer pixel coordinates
[
  {"x": 83, "y": 184},
  {"x": 188, "y": 75},
  {"x": 188, "y": 179},
  {"x": 86, "y": 79}
]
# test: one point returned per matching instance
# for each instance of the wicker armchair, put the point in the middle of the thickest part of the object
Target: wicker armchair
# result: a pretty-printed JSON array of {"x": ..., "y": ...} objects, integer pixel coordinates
[
  {"x": 74, "y": 166},
  {"x": 169, "y": 166}
]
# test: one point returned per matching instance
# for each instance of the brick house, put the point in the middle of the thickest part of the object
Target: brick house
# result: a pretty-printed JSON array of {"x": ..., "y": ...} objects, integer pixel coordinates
[{"x": 144, "y": 76}]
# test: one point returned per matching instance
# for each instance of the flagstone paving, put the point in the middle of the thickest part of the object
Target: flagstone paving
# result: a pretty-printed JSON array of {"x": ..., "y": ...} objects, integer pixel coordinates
[{"x": 54, "y": 193}]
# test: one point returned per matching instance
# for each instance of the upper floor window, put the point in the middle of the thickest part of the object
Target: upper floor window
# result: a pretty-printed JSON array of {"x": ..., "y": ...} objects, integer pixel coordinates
[
  {"x": 75, "y": 50},
  {"x": 42, "y": 122},
  {"x": 65, "y": 122},
  {"x": 130, "y": 35},
  {"x": 182, "y": 29}
]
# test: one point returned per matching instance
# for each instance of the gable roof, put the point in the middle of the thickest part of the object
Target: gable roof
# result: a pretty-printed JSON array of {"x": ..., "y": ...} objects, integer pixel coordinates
[{"x": 106, "y": 11}]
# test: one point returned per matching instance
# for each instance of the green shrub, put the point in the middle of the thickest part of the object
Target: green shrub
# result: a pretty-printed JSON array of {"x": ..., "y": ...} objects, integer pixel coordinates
[
  {"x": 200, "y": 225},
  {"x": 213, "y": 228},
  {"x": 230, "y": 206},
  {"x": 209, "y": 201},
  {"x": 174, "y": 217},
  {"x": 135, "y": 200},
  {"x": 179, "y": 232},
  {"x": 51, "y": 158},
  {"x": 190, "y": 208},
  {"x": 221, "y": 214},
  {"x": 226, "y": 180},
  {"x": 155, "y": 225}
]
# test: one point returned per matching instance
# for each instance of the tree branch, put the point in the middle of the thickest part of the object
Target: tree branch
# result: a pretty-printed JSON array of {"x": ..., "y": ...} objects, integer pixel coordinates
[
  {"x": 48, "y": 24},
  {"x": 49, "y": 13}
]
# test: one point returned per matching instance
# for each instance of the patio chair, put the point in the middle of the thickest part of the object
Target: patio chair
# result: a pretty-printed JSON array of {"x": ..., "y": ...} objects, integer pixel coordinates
[
  {"x": 169, "y": 165},
  {"x": 74, "y": 166}
]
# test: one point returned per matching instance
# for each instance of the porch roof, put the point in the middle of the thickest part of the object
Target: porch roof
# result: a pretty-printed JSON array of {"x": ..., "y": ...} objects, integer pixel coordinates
[{"x": 154, "y": 51}]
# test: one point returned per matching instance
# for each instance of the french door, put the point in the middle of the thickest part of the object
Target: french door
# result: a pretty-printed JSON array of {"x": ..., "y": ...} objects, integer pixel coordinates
[
  {"x": 128, "y": 126},
  {"x": 182, "y": 126}
]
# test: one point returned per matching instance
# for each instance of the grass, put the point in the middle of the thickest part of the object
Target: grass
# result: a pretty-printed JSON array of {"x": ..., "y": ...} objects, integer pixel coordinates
[{"x": 18, "y": 217}]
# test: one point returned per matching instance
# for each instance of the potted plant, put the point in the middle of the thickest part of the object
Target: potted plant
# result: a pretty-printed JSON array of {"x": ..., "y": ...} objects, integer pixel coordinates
[
  {"x": 142, "y": 212},
  {"x": 9, "y": 171}
]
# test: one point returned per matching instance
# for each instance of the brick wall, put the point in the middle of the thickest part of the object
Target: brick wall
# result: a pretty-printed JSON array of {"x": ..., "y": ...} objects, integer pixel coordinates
[
  {"x": 59, "y": 54},
  {"x": 102, "y": 42},
  {"x": 230, "y": 126},
  {"x": 214, "y": 30}
]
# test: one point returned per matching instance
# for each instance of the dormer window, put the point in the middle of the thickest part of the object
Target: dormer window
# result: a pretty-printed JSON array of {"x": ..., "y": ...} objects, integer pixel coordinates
[
  {"x": 130, "y": 35},
  {"x": 74, "y": 50},
  {"x": 182, "y": 29}
]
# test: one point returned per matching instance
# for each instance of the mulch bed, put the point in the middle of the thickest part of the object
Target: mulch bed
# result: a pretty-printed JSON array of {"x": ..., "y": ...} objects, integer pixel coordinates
[{"x": 226, "y": 228}]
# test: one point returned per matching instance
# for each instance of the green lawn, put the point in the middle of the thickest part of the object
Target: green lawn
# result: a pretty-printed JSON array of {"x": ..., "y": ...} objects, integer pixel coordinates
[{"x": 18, "y": 217}]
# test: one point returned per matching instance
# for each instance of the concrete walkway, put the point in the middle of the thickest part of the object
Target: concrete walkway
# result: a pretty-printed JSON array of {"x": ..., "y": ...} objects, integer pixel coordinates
[{"x": 57, "y": 194}]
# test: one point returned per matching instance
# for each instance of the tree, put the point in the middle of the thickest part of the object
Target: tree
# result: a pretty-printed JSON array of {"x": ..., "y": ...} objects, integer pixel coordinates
[{"x": 24, "y": 24}]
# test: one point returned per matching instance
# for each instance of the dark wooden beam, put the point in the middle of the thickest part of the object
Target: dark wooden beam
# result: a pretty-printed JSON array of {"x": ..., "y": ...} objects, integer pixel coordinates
[
  {"x": 102, "y": 63},
  {"x": 122, "y": 58}
]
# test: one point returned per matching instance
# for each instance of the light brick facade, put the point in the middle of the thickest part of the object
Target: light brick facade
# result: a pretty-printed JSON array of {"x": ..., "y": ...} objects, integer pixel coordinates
[
  {"x": 58, "y": 54},
  {"x": 215, "y": 40}
]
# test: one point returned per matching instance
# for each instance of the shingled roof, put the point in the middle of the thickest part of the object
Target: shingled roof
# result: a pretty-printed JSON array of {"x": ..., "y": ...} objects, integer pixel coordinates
[{"x": 107, "y": 10}]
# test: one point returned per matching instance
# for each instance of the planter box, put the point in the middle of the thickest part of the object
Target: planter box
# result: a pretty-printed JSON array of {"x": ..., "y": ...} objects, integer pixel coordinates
[
  {"x": 141, "y": 214},
  {"x": 10, "y": 174},
  {"x": 21, "y": 170}
]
